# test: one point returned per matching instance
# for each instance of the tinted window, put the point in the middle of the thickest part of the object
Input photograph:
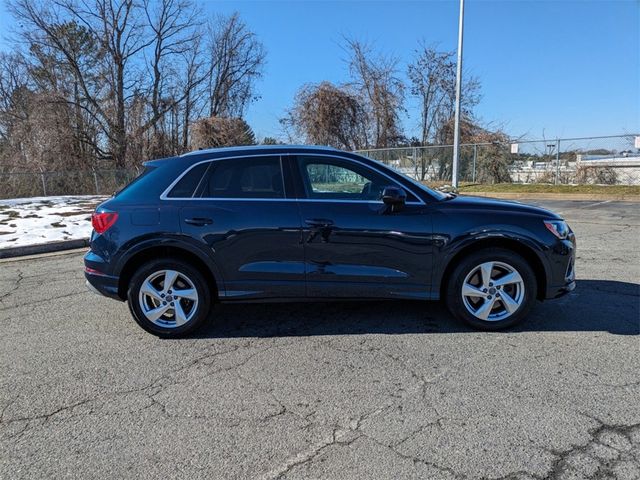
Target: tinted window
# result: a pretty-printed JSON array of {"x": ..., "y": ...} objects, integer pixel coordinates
[
  {"x": 187, "y": 185},
  {"x": 257, "y": 177},
  {"x": 145, "y": 172},
  {"x": 329, "y": 178}
]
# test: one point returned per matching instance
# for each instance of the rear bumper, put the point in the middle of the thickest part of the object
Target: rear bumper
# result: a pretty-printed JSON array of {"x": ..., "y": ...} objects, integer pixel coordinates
[
  {"x": 103, "y": 285},
  {"x": 98, "y": 281}
]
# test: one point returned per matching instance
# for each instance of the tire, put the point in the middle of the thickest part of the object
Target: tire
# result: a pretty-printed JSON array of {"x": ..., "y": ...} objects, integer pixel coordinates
[
  {"x": 161, "y": 311},
  {"x": 498, "y": 301}
]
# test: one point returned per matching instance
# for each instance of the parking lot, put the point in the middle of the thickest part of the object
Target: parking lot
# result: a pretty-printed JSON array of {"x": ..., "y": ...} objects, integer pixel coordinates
[{"x": 342, "y": 390}]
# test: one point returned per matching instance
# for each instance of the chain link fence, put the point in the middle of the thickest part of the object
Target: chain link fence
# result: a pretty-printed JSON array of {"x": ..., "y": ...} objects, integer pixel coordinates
[
  {"x": 76, "y": 182},
  {"x": 610, "y": 160}
]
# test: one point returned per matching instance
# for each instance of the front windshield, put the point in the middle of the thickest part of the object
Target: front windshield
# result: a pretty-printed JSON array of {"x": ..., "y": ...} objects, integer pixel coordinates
[{"x": 434, "y": 193}]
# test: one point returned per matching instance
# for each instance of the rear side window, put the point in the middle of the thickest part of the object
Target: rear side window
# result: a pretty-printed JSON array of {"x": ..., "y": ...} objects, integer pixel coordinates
[
  {"x": 147, "y": 170},
  {"x": 253, "y": 177},
  {"x": 188, "y": 184}
]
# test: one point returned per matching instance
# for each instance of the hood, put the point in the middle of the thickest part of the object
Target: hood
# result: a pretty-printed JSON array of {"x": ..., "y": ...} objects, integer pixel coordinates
[{"x": 484, "y": 203}]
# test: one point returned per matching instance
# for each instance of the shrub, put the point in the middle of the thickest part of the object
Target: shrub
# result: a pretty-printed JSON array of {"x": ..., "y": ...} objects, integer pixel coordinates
[{"x": 594, "y": 174}]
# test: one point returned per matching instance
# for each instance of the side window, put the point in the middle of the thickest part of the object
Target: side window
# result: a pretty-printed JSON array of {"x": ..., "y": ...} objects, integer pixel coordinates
[
  {"x": 252, "y": 177},
  {"x": 333, "y": 178},
  {"x": 188, "y": 184}
]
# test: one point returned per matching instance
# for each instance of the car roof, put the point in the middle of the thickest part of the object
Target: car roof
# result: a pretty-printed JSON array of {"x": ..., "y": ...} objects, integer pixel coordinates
[
  {"x": 215, "y": 152},
  {"x": 230, "y": 152}
]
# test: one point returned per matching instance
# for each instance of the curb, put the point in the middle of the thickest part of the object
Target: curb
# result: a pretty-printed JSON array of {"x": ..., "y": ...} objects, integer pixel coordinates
[
  {"x": 43, "y": 248},
  {"x": 556, "y": 196}
]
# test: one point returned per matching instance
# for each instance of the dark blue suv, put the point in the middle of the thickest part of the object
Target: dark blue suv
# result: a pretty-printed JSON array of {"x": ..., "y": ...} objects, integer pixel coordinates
[{"x": 288, "y": 223}]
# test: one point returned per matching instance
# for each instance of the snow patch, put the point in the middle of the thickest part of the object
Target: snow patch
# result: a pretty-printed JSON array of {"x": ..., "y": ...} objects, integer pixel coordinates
[{"x": 38, "y": 220}]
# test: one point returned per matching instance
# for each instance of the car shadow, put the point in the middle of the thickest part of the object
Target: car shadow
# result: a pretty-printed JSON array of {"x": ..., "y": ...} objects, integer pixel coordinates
[{"x": 595, "y": 305}]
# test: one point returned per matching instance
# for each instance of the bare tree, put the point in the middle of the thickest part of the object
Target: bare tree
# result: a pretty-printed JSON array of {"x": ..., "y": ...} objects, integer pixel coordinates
[
  {"x": 433, "y": 79},
  {"x": 110, "y": 83},
  {"x": 374, "y": 77},
  {"x": 174, "y": 29},
  {"x": 14, "y": 84},
  {"x": 117, "y": 29},
  {"x": 327, "y": 114},
  {"x": 237, "y": 59},
  {"x": 103, "y": 46},
  {"x": 194, "y": 76}
]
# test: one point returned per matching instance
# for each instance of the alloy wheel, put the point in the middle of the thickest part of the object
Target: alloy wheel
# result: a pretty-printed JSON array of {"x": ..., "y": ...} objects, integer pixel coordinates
[
  {"x": 168, "y": 298},
  {"x": 493, "y": 291}
]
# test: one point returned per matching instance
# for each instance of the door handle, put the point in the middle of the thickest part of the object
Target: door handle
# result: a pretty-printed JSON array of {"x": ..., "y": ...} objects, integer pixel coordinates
[
  {"x": 318, "y": 222},
  {"x": 198, "y": 221}
]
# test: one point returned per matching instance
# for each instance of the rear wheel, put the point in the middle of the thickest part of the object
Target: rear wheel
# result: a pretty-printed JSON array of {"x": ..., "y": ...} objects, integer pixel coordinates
[
  {"x": 169, "y": 298},
  {"x": 491, "y": 289}
]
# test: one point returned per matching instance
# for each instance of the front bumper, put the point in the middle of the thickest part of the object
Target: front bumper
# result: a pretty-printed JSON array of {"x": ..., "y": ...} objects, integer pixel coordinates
[
  {"x": 563, "y": 268},
  {"x": 561, "y": 291}
]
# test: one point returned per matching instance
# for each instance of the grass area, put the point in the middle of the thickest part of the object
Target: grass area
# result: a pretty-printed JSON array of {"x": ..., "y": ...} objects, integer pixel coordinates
[{"x": 545, "y": 188}]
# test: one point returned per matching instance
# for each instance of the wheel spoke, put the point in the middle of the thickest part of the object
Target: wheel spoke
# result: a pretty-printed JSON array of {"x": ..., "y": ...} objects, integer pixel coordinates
[
  {"x": 469, "y": 290},
  {"x": 509, "y": 303},
  {"x": 484, "y": 311},
  {"x": 150, "y": 290},
  {"x": 181, "y": 318},
  {"x": 189, "y": 294},
  {"x": 156, "y": 313},
  {"x": 485, "y": 271},
  {"x": 170, "y": 277},
  {"x": 509, "y": 278}
]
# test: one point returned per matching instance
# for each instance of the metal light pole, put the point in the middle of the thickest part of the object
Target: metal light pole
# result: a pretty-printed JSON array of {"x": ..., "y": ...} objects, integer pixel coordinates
[{"x": 456, "y": 127}]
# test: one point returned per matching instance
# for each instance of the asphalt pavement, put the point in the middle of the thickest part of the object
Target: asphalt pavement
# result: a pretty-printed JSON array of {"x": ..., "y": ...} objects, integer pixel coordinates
[{"x": 375, "y": 390}]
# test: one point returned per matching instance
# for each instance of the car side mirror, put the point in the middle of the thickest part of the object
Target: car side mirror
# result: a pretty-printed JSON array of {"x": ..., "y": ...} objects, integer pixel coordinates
[{"x": 394, "y": 198}]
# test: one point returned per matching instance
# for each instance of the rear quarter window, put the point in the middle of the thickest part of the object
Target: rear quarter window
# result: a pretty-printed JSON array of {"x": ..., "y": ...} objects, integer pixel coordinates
[
  {"x": 187, "y": 185},
  {"x": 147, "y": 170}
]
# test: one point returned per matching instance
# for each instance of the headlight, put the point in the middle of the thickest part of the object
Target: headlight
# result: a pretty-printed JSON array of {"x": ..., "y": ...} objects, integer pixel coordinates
[{"x": 558, "y": 227}]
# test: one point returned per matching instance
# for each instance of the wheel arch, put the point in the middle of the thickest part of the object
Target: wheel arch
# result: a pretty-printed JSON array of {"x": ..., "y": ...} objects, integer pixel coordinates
[
  {"x": 144, "y": 253},
  {"x": 515, "y": 245}
]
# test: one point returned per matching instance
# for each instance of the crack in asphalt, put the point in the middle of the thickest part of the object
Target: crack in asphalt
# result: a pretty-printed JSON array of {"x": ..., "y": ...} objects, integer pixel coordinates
[
  {"x": 307, "y": 456},
  {"x": 613, "y": 449},
  {"x": 103, "y": 397},
  {"x": 438, "y": 423},
  {"x": 339, "y": 436},
  {"x": 15, "y": 287},
  {"x": 31, "y": 303},
  {"x": 421, "y": 379},
  {"x": 608, "y": 446},
  {"x": 157, "y": 386}
]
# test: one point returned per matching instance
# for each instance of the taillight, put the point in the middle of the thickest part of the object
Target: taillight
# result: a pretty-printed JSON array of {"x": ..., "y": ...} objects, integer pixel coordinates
[{"x": 102, "y": 221}]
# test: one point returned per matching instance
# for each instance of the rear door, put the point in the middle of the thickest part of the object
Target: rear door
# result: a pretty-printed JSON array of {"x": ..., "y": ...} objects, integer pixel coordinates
[
  {"x": 354, "y": 246},
  {"x": 246, "y": 216}
]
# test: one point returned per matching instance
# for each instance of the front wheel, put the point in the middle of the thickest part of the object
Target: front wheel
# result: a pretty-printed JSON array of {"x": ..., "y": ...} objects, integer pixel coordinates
[
  {"x": 169, "y": 298},
  {"x": 491, "y": 289}
]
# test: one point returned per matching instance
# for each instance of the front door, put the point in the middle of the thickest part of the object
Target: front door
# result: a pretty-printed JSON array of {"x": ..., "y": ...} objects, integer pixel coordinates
[{"x": 354, "y": 245}]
